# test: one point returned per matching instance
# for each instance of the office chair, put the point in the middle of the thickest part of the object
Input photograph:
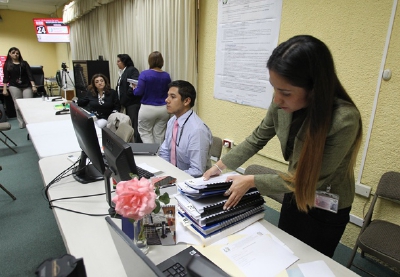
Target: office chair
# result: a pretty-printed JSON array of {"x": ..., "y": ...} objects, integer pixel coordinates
[
  {"x": 259, "y": 169},
  {"x": 3, "y": 188},
  {"x": 216, "y": 147},
  {"x": 125, "y": 131},
  {"x": 215, "y": 150},
  {"x": 5, "y": 126},
  {"x": 381, "y": 238},
  {"x": 38, "y": 76}
]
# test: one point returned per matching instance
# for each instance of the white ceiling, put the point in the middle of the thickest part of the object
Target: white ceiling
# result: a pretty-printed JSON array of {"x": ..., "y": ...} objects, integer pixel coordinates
[{"x": 47, "y": 7}]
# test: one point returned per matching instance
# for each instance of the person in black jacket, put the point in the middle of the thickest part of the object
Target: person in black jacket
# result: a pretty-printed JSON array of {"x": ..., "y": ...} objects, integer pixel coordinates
[
  {"x": 102, "y": 100},
  {"x": 18, "y": 76},
  {"x": 129, "y": 102}
]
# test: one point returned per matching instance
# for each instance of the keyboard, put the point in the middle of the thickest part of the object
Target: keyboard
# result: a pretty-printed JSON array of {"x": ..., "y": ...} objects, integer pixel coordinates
[
  {"x": 144, "y": 173},
  {"x": 175, "y": 270}
]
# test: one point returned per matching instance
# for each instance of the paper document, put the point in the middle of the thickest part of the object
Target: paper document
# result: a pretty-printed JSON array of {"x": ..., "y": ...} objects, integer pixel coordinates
[
  {"x": 259, "y": 253},
  {"x": 315, "y": 269},
  {"x": 149, "y": 168}
]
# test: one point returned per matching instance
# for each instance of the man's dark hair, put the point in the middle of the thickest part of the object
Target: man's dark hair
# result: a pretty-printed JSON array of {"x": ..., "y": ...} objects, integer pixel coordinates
[{"x": 185, "y": 89}]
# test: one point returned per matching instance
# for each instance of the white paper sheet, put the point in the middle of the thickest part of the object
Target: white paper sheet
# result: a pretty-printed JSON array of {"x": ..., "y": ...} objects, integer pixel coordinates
[
  {"x": 316, "y": 269},
  {"x": 259, "y": 255}
]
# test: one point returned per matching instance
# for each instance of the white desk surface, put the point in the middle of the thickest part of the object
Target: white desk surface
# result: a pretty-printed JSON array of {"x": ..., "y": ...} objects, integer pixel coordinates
[
  {"x": 89, "y": 237},
  {"x": 36, "y": 110},
  {"x": 54, "y": 138}
]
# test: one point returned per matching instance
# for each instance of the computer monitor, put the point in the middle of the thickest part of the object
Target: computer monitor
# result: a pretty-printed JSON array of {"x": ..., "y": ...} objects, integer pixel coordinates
[
  {"x": 121, "y": 163},
  {"x": 89, "y": 143}
]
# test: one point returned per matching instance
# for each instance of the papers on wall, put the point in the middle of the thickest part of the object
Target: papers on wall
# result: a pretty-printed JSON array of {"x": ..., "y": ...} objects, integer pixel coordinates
[
  {"x": 259, "y": 253},
  {"x": 247, "y": 33}
]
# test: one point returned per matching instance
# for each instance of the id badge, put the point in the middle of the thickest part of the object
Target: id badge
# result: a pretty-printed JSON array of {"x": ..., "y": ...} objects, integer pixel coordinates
[{"x": 326, "y": 201}]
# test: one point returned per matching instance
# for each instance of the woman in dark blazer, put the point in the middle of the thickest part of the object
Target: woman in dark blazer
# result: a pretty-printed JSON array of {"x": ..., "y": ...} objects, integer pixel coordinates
[
  {"x": 102, "y": 100},
  {"x": 129, "y": 102}
]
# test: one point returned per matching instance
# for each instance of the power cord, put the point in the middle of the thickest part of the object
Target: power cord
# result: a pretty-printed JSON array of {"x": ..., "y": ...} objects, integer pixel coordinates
[{"x": 60, "y": 177}]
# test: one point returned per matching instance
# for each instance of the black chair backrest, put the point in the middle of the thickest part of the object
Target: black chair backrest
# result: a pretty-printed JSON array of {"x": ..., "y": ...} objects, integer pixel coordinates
[{"x": 38, "y": 76}]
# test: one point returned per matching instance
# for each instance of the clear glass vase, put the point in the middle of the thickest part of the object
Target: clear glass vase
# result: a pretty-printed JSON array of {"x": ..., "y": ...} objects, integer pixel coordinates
[{"x": 139, "y": 235}]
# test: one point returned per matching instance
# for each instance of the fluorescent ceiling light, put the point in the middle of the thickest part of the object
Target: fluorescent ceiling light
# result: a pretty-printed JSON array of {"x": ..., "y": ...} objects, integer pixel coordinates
[{"x": 4, "y": 1}]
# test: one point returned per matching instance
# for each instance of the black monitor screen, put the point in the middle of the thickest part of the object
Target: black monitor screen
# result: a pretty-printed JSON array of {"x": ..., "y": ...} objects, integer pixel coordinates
[
  {"x": 88, "y": 141},
  {"x": 120, "y": 159}
]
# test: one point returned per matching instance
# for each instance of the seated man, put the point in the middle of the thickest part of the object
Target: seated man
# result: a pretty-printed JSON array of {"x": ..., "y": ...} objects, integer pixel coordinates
[{"x": 187, "y": 139}]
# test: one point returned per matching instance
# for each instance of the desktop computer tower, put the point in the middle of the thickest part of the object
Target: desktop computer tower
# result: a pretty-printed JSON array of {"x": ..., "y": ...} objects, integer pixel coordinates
[{"x": 84, "y": 71}]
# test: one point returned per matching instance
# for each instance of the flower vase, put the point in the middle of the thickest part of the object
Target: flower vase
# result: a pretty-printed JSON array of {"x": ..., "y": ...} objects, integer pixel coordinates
[{"x": 139, "y": 235}]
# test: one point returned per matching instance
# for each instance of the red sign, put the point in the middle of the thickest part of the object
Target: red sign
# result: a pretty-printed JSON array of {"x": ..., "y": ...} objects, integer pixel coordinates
[
  {"x": 51, "y": 30},
  {"x": 2, "y": 61}
]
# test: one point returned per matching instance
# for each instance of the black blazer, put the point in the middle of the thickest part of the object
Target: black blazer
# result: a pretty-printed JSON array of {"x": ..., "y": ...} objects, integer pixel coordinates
[{"x": 126, "y": 96}]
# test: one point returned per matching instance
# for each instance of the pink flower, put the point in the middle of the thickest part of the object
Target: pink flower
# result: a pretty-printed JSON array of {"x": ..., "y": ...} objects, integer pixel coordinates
[{"x": 135, "y": 198}]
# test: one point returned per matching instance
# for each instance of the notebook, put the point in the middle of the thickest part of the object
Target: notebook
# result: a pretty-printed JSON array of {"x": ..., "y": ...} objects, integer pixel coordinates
[
  {"x": 188, "y": 208},
  {"x": 207, "y": 239},
  {"x": 138, "y": 264},
  {"x": 144, "y": 148}
]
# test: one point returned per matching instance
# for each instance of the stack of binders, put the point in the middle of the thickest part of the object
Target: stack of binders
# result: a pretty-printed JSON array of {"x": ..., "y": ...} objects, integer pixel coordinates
[{"x": 200, "y": 206}]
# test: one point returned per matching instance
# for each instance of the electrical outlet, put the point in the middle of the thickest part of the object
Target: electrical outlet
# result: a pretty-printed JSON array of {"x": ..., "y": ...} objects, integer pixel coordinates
[
  {"x": 356, "y": 220},
  {"x": 228, "y": 143},
  {"x": 363, "y": 190}
]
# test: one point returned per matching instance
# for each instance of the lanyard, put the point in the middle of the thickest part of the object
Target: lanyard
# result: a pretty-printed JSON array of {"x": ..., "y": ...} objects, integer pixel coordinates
[{"x": 183, "y": 126}]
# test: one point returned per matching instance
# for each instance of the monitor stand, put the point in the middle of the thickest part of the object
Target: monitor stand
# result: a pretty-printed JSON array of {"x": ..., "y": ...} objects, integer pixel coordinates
[
  {"x": 86, "y": 173},
  {"x": 107, "y": 183}
]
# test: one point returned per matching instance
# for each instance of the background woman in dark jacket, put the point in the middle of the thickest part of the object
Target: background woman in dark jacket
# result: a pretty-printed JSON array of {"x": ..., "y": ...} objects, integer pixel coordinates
[{"x": 129, "y": 102}]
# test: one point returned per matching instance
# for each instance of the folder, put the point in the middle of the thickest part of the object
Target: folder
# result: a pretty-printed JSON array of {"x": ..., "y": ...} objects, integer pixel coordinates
[
  {"x": 206, "y": 240},
  {"x": 213, "y": 228}
]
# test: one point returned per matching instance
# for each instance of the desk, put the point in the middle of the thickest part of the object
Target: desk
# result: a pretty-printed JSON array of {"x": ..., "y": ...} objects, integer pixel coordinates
[
  {"x": 55, "y": 137},
  {"x": 35, "y": 110},
  {"x": 88, "y": 237}
]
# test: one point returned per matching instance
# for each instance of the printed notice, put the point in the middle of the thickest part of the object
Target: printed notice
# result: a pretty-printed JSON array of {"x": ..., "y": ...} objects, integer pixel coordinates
[{"x": 247, "y": 33}]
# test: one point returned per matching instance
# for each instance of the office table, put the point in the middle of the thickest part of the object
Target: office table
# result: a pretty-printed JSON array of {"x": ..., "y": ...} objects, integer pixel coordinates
[
  {"x": 54, "y": 138},
  {"x": 35, "y": 110},
  {"x": 88, "y": 237}
]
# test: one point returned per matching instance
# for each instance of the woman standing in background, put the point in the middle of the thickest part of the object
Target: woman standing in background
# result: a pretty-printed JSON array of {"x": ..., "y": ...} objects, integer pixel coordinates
[
  {"x": 153, "y": 88},
  {"x": 18, "y": 76},
  {"x": 102, "y": 100},
  {"x": 129, "y": 102}
]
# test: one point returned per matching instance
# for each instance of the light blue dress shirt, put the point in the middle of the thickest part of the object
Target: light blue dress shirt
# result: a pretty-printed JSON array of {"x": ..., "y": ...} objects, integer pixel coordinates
[{"x": 193, "y": 141}]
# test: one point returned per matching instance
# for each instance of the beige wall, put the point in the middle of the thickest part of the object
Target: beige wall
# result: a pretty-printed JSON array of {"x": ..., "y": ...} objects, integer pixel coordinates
[
  {"x": 17, "y": 30},
  {"x": 356, "y": 35}
]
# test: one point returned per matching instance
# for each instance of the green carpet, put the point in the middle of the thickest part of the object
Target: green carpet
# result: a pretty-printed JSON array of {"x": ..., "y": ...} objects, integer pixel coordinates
[{"x": 28, "y": 232}]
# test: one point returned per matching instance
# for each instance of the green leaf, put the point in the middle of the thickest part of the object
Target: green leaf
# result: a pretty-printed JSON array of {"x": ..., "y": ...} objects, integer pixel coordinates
[
  {"x": 133, "y": 175},
  {"x": 157, "y": 208},
  {"x": 157, "y": 191},
  {"x": 164, "y": 198}
]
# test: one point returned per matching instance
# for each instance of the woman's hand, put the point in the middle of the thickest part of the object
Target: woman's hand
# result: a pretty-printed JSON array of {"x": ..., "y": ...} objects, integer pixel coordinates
[
  {"x": 240, "y": 185},
  {"x": 215, "y": 170},
  {"x": 132, "y": 85},
  {"x": 34, "y": 89},
  {"x": 5, "y": 92}
]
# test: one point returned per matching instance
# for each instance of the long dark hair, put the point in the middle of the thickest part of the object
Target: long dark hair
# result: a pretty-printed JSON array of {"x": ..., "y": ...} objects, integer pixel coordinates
[
  {"x": 92, "y": 87},
  {"x": 306, "y": 62},
  {"x": 8, "y": 64}
]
